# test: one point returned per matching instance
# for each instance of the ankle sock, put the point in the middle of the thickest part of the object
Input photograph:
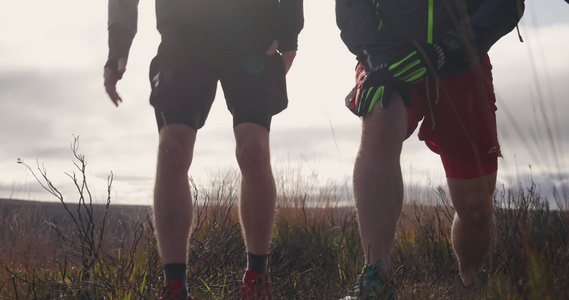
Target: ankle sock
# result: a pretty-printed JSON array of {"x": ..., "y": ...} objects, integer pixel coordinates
[
  {"x": 257, "y": 263},
  {"x": 175, "y": 272}
]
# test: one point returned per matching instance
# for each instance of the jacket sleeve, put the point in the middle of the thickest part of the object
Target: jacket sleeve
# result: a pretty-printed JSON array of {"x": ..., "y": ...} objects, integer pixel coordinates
[
  {"x": 361, "y": 32},
  {"x": 122, "y": 26},
  {"x": 291, "y": 22}
]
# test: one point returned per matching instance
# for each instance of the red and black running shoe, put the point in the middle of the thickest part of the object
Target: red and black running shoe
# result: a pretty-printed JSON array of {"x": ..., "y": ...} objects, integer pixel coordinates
[
  {"x": 175, "y": 290},
  {"x": 255, "y": 287}
]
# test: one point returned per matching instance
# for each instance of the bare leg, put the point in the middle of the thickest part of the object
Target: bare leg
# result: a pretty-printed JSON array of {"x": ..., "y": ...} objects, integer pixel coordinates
[
  {"x": 472, "y": 229},
  {"x": 172, "y": 200},
  {"x": 378, "y": 184},
  {"x": 258, "y": 190}
]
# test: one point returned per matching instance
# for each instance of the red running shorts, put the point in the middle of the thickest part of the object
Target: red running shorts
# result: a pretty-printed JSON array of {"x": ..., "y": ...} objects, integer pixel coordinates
[{"x": 458, "y": 117}]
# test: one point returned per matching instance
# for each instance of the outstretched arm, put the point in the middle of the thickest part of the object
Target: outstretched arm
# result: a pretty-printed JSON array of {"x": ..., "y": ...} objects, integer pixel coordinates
[{"x": 122, "y": 27}]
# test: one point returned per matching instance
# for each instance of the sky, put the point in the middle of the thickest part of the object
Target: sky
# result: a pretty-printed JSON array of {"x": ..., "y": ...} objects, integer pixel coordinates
[{"x": 51, "y": 90}]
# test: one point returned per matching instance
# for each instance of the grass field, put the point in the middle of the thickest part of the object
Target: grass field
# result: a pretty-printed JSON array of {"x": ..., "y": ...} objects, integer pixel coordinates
[
  {"x": 75, "y": 249},
  {"x": 87, "y": 251}
]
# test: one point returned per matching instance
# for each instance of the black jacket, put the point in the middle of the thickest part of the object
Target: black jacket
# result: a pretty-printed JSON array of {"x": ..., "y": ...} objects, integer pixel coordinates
[
  {"x": 373, "y": 29},
  {"x": 261, "y": 20}
]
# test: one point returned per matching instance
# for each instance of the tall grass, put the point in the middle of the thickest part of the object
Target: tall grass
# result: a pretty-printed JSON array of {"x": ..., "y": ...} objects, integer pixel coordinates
[{"x": 315, "y": 251}]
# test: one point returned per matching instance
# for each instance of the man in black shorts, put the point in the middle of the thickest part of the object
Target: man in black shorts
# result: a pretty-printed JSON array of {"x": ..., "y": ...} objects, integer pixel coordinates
[{"x": 248, "y": 46}]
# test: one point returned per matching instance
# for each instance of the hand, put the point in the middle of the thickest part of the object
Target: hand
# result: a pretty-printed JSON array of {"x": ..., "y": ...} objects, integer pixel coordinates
[
  {"x": 273, "y": 48},
  {"x": 111, "y": 78},
  {"x": 377, "y": 86},
  {"x": 288, "y": 56},
  {"x": 415, "y": 61}
]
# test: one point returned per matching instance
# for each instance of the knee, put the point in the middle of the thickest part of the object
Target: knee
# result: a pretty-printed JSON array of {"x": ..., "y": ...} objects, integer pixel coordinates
[
  {"x": 253, "y": 157},
  {"x": 174, "y": 156},
  {"x": 384, "y": 135},
  {"x": 473, "y": 199},
  {"x": 477, "y": 216},
  {"x": 384, "y": 145}
]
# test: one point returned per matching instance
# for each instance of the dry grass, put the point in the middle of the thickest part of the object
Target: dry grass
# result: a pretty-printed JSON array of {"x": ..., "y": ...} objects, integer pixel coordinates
[{"x": 315, "y": 251}]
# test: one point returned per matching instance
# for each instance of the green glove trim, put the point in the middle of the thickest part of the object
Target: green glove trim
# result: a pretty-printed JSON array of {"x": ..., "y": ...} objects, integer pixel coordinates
[
  {"x": 377, "y": 87},
  {"x": 412, "y": 62},
  {"x": 378, "y": 96},
  {"x": 415, "y": 75},
  {"x": 397, "y": 63}
]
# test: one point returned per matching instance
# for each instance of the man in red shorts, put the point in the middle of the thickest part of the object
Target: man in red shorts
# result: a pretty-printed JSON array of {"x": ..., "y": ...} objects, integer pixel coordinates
[
  {"x": 248, "y": 46},
  {"x": 424, "y": 60}
]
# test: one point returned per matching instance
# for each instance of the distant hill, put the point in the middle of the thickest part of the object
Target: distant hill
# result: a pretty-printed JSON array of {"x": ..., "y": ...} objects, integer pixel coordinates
[
  {"x": 56, "y": 209},
  {"x": 40, "y": 212}
]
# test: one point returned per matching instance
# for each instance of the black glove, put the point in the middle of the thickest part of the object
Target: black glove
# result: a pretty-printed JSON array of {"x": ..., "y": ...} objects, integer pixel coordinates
[
  {"x": 448, "y": 57},
  {"x": 415, "y": 61},
  {"x": 377, "y": 87}
]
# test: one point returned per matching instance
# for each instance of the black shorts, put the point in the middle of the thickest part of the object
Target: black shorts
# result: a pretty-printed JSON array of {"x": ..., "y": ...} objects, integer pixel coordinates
[{"x": 184, "y": 76}]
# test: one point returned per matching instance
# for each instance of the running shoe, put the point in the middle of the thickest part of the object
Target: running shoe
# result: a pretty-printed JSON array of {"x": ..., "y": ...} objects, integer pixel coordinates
[
  {"x": 372, "y": 284},
  {"x": 175, "y": 290},
  {"x": 255, "y": 287}
]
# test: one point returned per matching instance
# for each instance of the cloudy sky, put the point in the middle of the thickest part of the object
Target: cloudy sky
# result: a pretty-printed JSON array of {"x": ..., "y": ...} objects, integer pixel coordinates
[{"x": 51, "y": 58}]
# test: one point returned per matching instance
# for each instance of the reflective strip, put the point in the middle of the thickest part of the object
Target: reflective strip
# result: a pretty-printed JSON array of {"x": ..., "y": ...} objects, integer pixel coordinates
[{"x": 430, "y": 32}]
